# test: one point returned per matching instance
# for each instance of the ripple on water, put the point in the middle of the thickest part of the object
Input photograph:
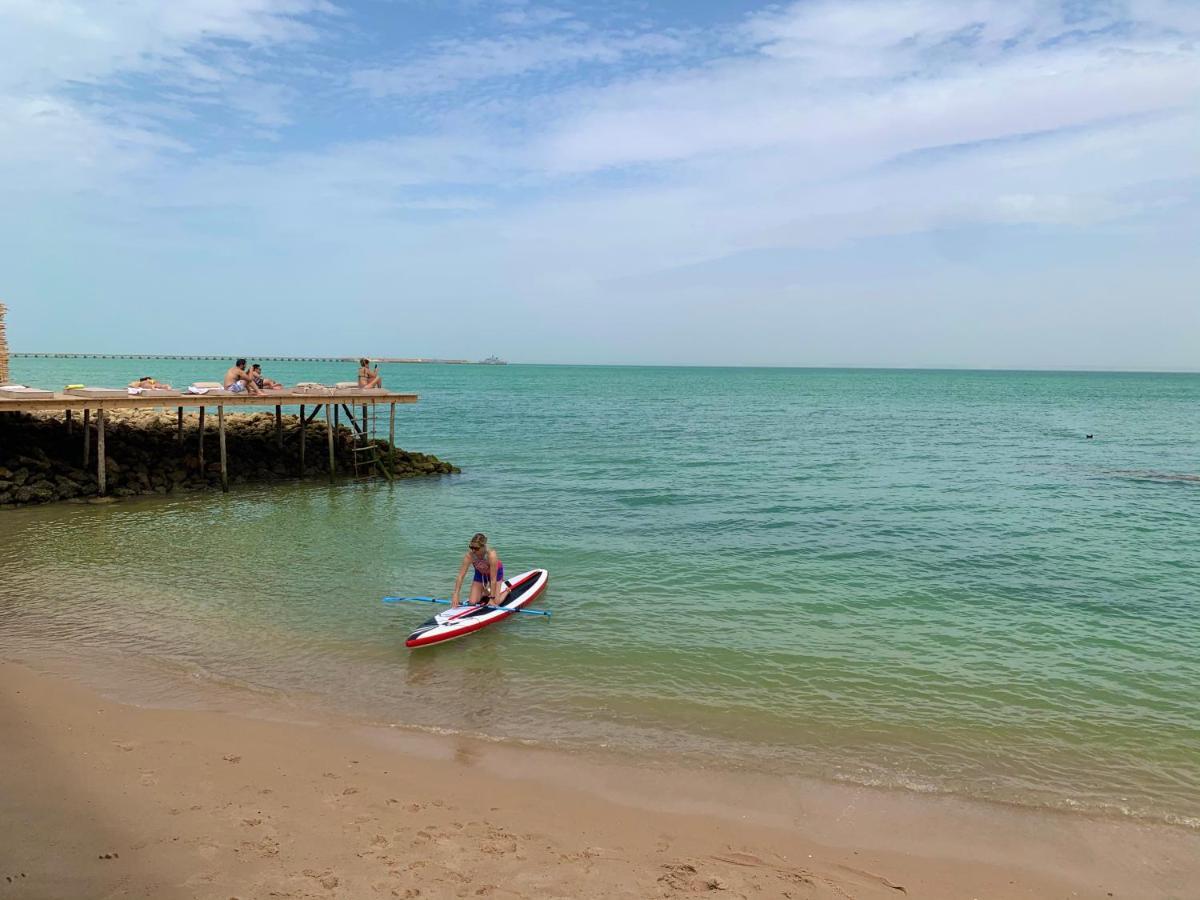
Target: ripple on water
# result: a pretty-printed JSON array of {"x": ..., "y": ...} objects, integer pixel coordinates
[{"x": 924, "y": 580}]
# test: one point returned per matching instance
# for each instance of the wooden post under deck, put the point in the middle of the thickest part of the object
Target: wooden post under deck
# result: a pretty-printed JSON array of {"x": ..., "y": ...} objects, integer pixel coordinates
[
  {"x": 278, "y": 426},
  {"x": 392, "y": 438},
  {"x": 179, "y": 424},
  {"x": 70, "y": 420},
  {"x": 202, "y": 475},
  {"x": 302, "y": 424},
  {"x": 101, "y": 466},
  {"x": 87, "y": 437},
  {"x": 329, "y": 434},
  {"x": 224, "y": 461}
]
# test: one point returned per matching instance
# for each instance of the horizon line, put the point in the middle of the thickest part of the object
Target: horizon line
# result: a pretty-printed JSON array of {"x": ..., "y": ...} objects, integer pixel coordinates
[{"x": 66, "y": 354}]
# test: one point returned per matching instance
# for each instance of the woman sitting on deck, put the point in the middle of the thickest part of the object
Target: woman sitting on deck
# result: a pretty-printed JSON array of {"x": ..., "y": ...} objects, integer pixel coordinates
[
  {"x": 264, "y": 383},
  {"x": 368, "y": 377}
]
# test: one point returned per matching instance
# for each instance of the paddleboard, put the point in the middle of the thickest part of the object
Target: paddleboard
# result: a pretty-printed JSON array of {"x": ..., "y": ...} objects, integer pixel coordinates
[{"x": 463, "y": 620}]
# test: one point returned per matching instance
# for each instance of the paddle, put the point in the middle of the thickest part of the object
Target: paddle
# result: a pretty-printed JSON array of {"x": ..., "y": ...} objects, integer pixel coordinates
[{"x": 530, "y": 612}]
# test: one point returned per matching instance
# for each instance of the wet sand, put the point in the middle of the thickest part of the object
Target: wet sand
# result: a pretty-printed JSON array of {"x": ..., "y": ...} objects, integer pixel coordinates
[{"x": 101, "y": 799}]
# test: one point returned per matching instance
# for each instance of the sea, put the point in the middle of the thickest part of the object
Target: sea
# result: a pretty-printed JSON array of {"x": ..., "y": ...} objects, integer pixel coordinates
[{"x": 981, "y": 584}]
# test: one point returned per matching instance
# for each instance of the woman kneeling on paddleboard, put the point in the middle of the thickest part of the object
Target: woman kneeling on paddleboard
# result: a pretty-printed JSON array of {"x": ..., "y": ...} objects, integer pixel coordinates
[{"x": 489, "y": 573}]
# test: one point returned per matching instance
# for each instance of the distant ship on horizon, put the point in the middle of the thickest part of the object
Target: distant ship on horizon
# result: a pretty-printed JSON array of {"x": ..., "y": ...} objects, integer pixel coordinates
[{"x": 493, "y": 361}]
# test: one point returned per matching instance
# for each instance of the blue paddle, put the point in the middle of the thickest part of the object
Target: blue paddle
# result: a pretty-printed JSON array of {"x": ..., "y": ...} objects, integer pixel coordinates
[{"x": 530, "y": 612}]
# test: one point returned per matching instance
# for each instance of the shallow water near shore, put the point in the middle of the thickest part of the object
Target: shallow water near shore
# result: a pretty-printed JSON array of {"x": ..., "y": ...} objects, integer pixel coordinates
[{"x": 929, "y": 580}]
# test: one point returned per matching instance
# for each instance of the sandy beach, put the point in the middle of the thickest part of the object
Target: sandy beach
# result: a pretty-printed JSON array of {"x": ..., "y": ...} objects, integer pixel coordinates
[{"x": 102, "y": 799}]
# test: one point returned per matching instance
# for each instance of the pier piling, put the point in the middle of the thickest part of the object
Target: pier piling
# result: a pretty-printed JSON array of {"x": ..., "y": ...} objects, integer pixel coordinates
[
  {"x": 302, "y": 432},
  {"x": 392, "y": 435},
  {"x": 224, "y": 461},
  {"x": 101, "y": 464},
  {"x": 278, "y": 426},
  {"x": 201, "y": 440},
  {"x": 329, "y": 434},
  {"x": 87, "y": 437}
]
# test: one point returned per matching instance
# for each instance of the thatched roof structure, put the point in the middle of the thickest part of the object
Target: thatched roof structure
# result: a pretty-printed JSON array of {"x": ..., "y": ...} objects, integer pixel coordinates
[{"x": 3, "y": 348}]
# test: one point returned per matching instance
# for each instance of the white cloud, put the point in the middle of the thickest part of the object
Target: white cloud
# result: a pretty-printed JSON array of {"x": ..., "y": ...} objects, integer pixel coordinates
[
  {"x": 817, "y": 124},
  {"x": 453, "y": 64}
]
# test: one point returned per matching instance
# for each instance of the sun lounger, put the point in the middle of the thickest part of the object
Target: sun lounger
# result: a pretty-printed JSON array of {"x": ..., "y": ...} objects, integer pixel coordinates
[
  {"x": 21, "y": 392},
  {"x": 352, "y": 386},
  {"x": 311, "y": 387},
  {"x": 98, "y": 393},
  {"x": 153, "y": 392}
]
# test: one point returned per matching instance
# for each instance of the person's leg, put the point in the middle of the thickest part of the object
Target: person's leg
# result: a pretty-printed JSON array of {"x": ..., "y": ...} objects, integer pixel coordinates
[{"x": 476, "y": 592}]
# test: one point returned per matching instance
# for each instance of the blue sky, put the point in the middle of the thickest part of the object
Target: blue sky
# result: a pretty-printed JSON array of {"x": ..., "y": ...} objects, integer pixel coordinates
[{"x": 1006, "y": 183}]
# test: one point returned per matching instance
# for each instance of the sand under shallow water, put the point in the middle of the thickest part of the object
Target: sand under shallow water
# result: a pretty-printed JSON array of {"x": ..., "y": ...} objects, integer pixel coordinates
[{"x": 101, "y": 799}]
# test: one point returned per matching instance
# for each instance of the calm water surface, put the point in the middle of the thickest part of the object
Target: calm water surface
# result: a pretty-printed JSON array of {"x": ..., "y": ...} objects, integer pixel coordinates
[{"x": 921, "y": 579}]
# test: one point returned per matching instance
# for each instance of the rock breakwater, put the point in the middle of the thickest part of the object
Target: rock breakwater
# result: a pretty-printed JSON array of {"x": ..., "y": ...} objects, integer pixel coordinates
[{"x": 41, "y": 460}]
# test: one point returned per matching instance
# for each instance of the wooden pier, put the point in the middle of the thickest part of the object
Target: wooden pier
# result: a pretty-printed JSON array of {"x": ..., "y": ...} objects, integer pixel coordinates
[{"x": 329, "y": 400}]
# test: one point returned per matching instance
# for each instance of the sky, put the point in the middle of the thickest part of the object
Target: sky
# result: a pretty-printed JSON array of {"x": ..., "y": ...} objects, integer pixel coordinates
[{"x": 924, "y": 183}]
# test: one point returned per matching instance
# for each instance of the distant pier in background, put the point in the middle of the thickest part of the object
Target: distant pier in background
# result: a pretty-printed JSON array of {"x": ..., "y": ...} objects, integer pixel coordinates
[{"x": 336, "y": 359}]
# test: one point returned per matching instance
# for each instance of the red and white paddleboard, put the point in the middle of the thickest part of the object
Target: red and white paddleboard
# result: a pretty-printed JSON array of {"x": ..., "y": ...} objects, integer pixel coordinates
[{"x": 462, "y": 620}]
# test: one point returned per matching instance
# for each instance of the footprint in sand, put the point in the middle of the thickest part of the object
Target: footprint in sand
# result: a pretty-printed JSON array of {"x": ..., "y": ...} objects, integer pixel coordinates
[
  {"x": 326, "y": 878},
  {"x": 230, "y": 758}
]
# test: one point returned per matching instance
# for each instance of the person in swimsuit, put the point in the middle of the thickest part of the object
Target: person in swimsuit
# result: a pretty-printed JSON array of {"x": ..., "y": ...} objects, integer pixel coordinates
[
  {"x": 265, "y": 384},
  {"x": 489, "y": 573},
  {"x": 146, "y": 383},
  {"x": 237, "y": 380},
  {"x": 368, "y": 377}
]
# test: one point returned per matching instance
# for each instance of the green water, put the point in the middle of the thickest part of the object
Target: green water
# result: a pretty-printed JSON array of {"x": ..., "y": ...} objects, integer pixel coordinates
[{"x": 930, "y": 580}]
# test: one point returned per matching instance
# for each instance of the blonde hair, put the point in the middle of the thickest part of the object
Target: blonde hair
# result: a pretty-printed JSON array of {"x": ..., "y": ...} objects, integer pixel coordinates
[{"x": 479, "y": 542}]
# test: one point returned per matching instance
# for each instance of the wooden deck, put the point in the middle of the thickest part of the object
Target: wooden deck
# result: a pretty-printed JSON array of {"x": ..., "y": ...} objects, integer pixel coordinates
[
  {"x": 330, "y": 399},
  {"x": 151, "y": 399}
]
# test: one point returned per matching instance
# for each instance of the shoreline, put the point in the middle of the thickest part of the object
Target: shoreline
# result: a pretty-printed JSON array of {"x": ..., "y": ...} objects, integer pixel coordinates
[{"x": 212, "y": 803}]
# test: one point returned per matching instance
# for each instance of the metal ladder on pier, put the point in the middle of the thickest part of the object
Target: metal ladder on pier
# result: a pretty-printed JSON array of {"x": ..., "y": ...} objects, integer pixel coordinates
[{"x": 365, "y": 451}]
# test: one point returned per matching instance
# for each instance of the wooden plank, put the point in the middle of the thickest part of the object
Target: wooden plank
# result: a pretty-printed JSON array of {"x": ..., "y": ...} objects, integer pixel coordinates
[
  {"x": 87, "y": 437},
  {"x": 316, "y": 409},
  {"x": 101, "y": 463},
  {"x": 303, "y": 423},
  {"x": 329, "y": 434},
  {"x": 224, "y": 460}
]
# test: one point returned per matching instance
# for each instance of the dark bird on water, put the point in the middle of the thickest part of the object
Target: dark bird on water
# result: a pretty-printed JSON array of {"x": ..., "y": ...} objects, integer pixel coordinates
[{"x": 1089, "y": 437}]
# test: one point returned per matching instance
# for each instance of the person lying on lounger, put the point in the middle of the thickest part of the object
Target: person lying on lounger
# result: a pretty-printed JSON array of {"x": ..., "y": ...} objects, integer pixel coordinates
[
  {"x": 265, "y": 384},
  {"x": 147, "y": 383},
  {"x": 238, "y": 381}
]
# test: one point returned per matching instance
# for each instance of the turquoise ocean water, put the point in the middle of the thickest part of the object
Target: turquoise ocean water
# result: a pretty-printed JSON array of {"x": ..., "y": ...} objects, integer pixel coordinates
[{"x": 929, "y": 580}]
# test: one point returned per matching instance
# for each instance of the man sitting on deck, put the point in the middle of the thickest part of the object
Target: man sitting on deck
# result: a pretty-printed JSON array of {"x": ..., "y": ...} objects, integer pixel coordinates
[{"x": 238, "y": 380}]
